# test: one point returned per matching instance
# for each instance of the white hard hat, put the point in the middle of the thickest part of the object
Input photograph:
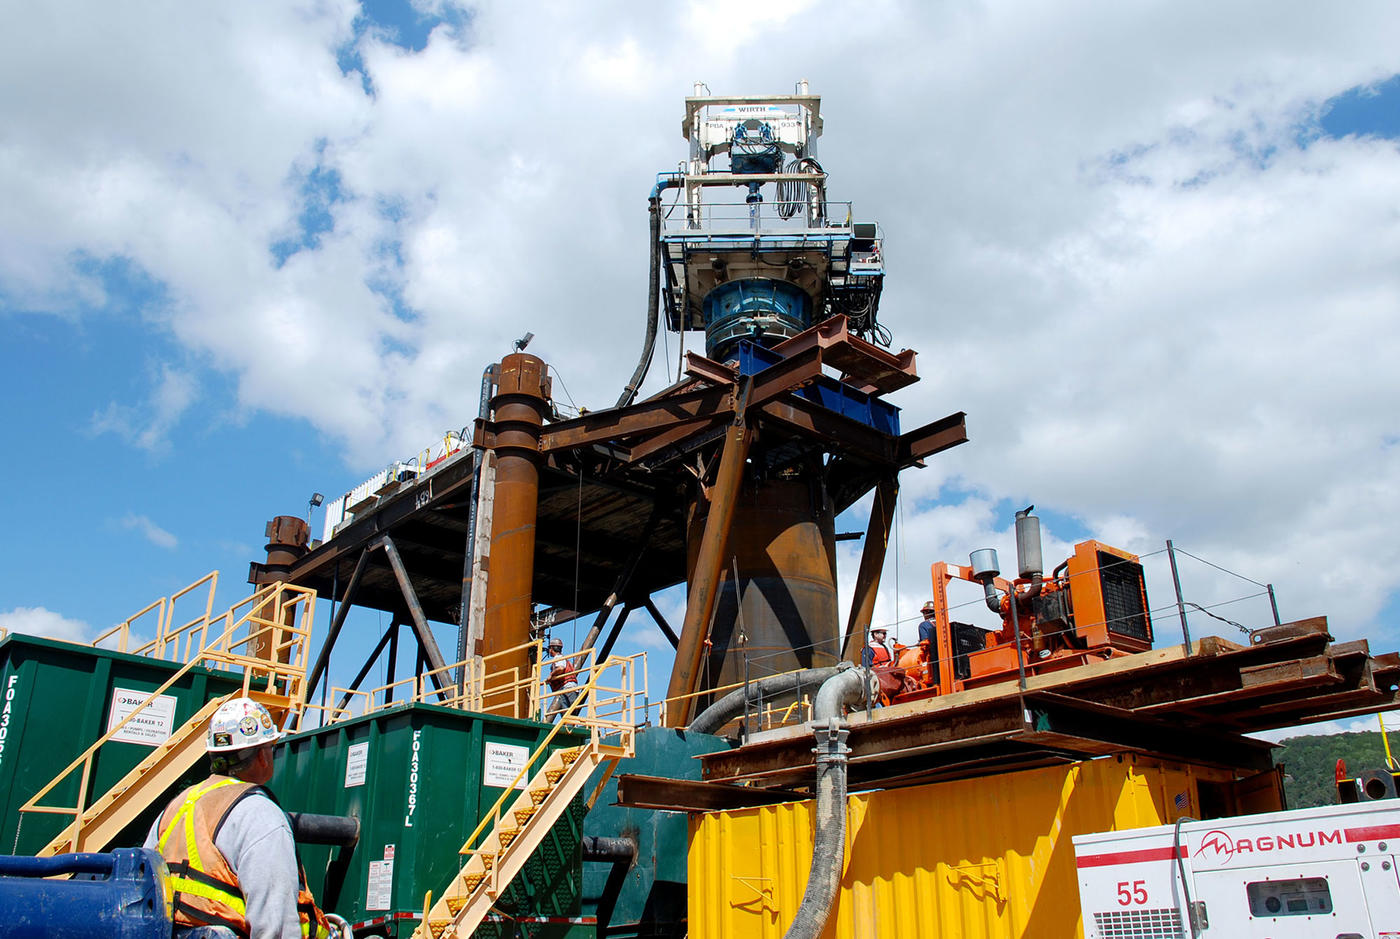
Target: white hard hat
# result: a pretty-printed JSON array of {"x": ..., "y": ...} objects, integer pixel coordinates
[{"x": 239, "y": 724}]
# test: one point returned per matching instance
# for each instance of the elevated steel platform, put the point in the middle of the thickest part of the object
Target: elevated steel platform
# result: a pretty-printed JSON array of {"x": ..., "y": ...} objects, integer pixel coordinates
[{"x": 1163, "y": 703}]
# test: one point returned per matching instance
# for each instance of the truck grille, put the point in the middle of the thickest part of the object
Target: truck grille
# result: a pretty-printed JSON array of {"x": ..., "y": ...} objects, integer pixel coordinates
[{"x": 1164, "y": 923}]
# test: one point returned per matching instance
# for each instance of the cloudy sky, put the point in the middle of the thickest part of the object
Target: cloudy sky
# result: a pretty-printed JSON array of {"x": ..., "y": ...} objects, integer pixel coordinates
[{"x": 252, "y": 251}]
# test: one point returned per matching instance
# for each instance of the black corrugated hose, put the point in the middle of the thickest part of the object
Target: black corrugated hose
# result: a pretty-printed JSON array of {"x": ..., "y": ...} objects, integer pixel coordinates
[
  {"x": 850, "y": 686},
  {"x": 653, "y": 292},
  {"x": 714, "y": 717}
]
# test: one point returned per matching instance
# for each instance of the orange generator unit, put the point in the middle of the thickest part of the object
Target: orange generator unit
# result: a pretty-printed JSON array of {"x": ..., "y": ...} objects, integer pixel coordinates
[{"x": 1092, "y": 606}]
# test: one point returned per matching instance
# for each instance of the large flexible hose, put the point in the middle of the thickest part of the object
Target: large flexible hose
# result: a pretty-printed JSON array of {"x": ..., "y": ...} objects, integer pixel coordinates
[
  {"x": 653, "y": 291},
  {"x": 849, "y": 686},
  {"x": 730, "y": 706}
]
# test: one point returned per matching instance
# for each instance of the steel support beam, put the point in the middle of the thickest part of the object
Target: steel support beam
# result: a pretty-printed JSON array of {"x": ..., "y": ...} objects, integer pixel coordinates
[
  {"x": 323, "y": 656},
  {"x": 624, "y": 578},
  {"x": 519, "y": 407},
  {"x": 421, "y": 629},
  {"x": 384, "y": 640},
  {"x": 704, "y": 584},
  {"x": 616, "y": 631},
  {"x": 872, "y": 562},
  {"x": 689, "y": 795},
  {"x": 661, "y": 623}
]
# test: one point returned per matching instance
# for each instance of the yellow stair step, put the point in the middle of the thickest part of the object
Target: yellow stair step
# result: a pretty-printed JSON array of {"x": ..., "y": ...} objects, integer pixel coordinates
[
  {"x": 552, "y": 776},
  {"x": 506, "y": 836},
  {"x": 523, "y": 815},
  {"x": 568, "y": 756},
  {"x": 537, "y": 796},
  {"x": 439, "y": 927},
  {"x": 455, "y": 904}
]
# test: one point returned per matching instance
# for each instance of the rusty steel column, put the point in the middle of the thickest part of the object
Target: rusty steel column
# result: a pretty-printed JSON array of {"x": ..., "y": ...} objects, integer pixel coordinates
[
  {"x": 872, "y": 562},
  {"x": 705, "y": 576},
  {"x": 776, "y": 608},
  {"x": 287, "y": 538},
  {"x": 519, "y": 408}
]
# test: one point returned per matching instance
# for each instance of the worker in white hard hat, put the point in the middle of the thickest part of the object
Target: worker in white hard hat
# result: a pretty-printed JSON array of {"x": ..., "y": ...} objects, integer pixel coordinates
[
  {"x": 876, "y": 654},
  {"x": 228, "y": 844},
  {"x": 562, "y": 679}
]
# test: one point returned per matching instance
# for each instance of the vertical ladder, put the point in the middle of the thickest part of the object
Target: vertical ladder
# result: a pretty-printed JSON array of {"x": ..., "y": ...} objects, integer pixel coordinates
[{"x": 518, "y": 832}]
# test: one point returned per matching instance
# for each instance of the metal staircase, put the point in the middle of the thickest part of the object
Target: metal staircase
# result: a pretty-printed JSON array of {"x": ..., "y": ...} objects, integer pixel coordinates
[
  {"x": 510, "y": 833},
  {"x": 272, "y": 655},
  {"x": 102, "y": 821}
]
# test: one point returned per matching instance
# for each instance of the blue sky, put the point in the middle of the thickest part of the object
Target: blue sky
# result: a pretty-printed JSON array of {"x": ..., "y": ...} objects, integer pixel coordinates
[{"x": 1166, "y": 297}]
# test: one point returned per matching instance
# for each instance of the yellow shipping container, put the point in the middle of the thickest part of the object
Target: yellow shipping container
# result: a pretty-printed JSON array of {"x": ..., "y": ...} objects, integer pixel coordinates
[{"x": 986, "y": 857}]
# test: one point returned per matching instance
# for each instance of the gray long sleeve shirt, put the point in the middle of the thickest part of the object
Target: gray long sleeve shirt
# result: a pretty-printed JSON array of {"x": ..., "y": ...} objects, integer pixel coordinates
[{"x": 256, "y": 840}]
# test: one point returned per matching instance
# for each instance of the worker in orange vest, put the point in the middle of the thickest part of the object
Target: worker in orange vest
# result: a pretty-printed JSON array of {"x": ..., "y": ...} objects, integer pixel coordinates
[
  {"x": 563, "y": 678},
  {"x": 876, "y": 654},
  {"x": 228, "y": 844}
]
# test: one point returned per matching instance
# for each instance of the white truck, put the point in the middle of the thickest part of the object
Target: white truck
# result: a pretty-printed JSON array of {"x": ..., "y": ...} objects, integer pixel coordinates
[{"x": 1323, "y": 873}]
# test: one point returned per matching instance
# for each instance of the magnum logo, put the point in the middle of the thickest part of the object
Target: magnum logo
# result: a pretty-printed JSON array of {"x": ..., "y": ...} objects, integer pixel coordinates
[{"x": 1217, "y": 847}]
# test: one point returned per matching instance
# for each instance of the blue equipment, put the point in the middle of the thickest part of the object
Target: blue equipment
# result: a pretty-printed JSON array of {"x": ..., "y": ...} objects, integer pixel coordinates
[{"x": 122, "y": 895}]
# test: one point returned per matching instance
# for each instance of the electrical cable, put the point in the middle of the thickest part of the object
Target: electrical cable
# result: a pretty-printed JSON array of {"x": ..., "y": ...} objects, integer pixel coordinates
[
  {"x": 791, "y": 192},
  {"x": 1181, "y": 870},
  {"x": 1222, "y": 570},
  {"x": 629, "y": 393}
]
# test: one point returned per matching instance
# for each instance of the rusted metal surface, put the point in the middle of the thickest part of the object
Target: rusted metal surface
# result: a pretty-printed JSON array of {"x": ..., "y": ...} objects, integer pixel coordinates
[
  {"x": 574, "y": 494},
  {"x": 689, "y": 795},
  {"x": 705, "y": 573},
  {"x": 426, "y": 643},
  {"x": 782, "y": 612},
  {"x": 287, "y": 537},
  {"x": 1162, "y": 702},
  {"x": 872, "y": 562},
  {"x": 519, "y": 408},
  {"x": 873, "y": 368}
]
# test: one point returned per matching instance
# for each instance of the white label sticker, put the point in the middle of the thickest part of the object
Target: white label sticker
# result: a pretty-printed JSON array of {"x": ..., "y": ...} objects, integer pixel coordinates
[
  {"x": 356, "y": 762},
  {"x": 503, "y": 762},
  {"x": 151, "y": 727},
  {"x": 388, "y": 852},
  {"x": 380, "y": 890}
]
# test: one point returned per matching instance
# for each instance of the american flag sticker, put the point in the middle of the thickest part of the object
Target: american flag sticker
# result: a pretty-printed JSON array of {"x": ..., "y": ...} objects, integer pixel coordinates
[{"x": 1181, "y": 801}]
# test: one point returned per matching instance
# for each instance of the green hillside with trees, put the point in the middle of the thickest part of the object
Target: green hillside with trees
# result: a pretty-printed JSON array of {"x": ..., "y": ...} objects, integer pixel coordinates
[{"x": 1310, "y": 763}]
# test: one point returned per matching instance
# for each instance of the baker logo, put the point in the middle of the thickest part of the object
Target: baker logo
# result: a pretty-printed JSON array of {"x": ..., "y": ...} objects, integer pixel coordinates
[
  {"x": 1220, "y": 845},
  {"x": 249, "y": 725}
]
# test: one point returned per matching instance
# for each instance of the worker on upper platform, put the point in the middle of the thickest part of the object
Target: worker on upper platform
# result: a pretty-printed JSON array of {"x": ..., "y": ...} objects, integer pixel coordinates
[
  {"x": 876, "y": 654},
  {"x": 228, "y": 844},
  {"x": 928, "y": 637},
  {"x": 563, "y": 678},
  {"x": 928, "y": 629}
]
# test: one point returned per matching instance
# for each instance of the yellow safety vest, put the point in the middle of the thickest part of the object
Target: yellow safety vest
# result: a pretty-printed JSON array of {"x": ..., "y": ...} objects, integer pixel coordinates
[{"x": 206, "y": 888}]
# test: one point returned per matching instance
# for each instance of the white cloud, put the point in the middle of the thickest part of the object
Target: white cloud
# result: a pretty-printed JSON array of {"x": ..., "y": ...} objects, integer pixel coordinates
[
  {"x": 150, "y": 531},
  {"x": 1164, "y": 317},
  {"x": 39, "y": 621},
  {"x": 149, "y": 427}
]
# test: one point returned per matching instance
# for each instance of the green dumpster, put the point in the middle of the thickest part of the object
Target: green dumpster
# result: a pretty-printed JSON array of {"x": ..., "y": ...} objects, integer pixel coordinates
[
  {"x": 56, "y": 699},
  {"x": 419, "y": 778}
]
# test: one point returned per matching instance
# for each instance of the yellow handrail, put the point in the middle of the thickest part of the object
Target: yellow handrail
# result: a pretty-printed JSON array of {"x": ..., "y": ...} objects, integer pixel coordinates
[
  {"x": 220, "y": 651},
  {"x": 586, "y": 692}
]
